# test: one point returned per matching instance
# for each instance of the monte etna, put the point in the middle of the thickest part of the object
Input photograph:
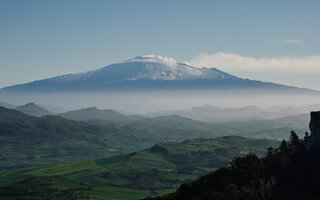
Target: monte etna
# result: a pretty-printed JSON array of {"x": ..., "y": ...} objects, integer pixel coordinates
[
  {"x": 154, "y": 83},
  {"x": 148, "y": 72}
]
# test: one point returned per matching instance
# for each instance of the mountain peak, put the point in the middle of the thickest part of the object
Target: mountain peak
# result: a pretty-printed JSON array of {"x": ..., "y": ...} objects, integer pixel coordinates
[
  {"x": 29, "y": 104},
  {"x": 33, "y": 110},
  {"x": 153, "y": 58}
]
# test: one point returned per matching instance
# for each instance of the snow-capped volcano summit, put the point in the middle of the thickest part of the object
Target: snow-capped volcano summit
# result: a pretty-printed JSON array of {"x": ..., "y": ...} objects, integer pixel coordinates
[
  {"x": 143, "y": 72},
  {"x": 154, "y": 67},
  {"x": 149, "y": 67},
  {"x": 153, "y": 58}
]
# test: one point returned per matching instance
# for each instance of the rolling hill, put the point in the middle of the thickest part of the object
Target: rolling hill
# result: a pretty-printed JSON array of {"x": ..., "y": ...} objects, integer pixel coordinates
[
  {"x": 28, "y": 141},
  {"x": 33, "y": 110},
  {"x": 93, "y": 113},
  {"x": 157, "y": 170}
]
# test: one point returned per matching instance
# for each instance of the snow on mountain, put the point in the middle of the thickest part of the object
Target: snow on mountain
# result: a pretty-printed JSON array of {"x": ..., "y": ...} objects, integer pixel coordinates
[
  {"x": 153, "y": 58},
  {"x": 150, "y": 67}
]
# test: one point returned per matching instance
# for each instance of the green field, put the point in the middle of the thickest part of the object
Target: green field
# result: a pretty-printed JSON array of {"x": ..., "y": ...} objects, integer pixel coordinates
[{"x": 151, "y": 172}]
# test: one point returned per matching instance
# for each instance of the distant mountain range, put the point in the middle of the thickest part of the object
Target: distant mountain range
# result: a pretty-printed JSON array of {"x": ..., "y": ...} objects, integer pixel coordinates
[
  {"x": 204, "y": 121},
  {"x": 198, "y": 120},
  {"x": 84, "y": 114},
  {"x": 93, "y": 113},
  {"x": 213, "y": 114},
  {"x": 147, "y": 73},
  {"x": 27, "y": 139},
  {"x": 207, "y": 113}
]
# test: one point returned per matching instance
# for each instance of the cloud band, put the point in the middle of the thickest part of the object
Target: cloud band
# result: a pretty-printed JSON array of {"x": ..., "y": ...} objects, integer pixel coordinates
[{"x": 233, "y": 62}]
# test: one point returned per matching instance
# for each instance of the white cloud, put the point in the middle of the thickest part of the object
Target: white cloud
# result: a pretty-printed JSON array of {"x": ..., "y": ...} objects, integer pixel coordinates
[
  {"x": 291, "y": 41},
  {"x": 163, "y": 58},
  {"x": 234, "y": 63}
]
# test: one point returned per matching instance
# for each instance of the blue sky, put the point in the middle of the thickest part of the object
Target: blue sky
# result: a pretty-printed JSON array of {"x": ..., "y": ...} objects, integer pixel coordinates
[{"x": 41, "y": 39}]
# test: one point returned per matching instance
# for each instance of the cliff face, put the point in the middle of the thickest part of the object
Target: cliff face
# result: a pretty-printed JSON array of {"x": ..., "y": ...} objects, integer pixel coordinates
[
  {"x": 313, "y": 141},
  {"x": 315, "y": 122}
]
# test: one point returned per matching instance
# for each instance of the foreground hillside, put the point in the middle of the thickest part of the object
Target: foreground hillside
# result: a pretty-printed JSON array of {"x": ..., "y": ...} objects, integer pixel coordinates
[
  {"x": 157, "y": 170},
  {"x": 288, "y": 172}
]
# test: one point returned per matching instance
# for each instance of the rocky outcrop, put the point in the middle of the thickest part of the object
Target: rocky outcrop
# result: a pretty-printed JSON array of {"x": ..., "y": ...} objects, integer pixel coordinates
[
  {"x": 313, "y": 140},
  {"x": 315, "y": 122}
]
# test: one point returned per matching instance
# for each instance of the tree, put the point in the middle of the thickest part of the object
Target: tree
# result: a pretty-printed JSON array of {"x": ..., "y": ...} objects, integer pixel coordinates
[
  {"x": 283, "y": 146},
  {"x": 294, "y": 140},
  {"x": 306, "y": 135}
]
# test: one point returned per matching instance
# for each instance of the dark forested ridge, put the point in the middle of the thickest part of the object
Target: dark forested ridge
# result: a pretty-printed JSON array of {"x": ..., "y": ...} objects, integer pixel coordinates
[{"x": 288, "y": 172}]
